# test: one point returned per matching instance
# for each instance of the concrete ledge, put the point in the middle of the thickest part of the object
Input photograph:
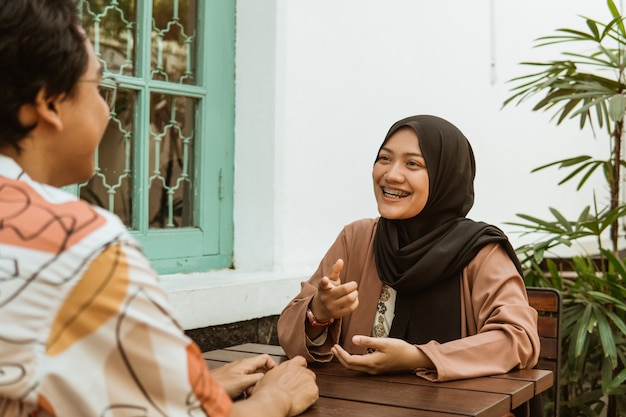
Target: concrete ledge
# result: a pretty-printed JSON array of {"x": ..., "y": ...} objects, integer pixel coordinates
[{"x": 227, "y": 296}]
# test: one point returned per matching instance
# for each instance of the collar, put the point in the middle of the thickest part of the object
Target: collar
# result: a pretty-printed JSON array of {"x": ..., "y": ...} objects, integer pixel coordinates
[{"x": 10, "y": 169}]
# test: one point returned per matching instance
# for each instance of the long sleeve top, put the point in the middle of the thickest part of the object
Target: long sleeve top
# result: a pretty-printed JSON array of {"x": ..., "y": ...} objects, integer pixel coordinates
[
  {"x": 85, "y": 328},
  {"x": 499, "y": 328}
]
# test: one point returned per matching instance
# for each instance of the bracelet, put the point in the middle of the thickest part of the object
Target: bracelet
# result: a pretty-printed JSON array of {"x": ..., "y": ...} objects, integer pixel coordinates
[{"x": 313, "y": 321}]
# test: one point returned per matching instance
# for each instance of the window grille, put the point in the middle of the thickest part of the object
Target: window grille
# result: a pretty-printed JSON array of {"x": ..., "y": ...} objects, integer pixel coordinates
[{"x": 165, "y": 163}]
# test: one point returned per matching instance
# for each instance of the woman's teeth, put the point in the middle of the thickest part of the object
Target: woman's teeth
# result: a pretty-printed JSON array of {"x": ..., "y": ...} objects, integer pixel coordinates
[{"x": 394, "y": 193}]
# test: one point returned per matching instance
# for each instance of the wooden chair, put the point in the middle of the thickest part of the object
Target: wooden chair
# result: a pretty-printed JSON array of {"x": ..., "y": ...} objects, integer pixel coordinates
[{"x": 548, "y": 303}]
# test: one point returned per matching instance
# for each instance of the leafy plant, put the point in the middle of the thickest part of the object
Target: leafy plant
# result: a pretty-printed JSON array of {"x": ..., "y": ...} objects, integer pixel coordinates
[
  {"x": 589, "y": 86},
  {"x": 594, "y": 313}
]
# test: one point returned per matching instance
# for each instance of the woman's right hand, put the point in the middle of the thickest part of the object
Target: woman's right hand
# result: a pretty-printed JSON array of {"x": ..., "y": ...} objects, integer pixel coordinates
[{"x": 334, "y": 299}]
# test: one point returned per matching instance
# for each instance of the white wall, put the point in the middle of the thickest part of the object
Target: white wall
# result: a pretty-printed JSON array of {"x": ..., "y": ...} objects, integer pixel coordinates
[
  {"x": 319, "y": 82},
  {"x": 346, "y": 70}
]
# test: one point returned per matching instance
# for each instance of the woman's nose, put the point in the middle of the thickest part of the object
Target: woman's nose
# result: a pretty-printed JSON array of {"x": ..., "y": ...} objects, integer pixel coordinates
[{"x": 394, "y": 174}]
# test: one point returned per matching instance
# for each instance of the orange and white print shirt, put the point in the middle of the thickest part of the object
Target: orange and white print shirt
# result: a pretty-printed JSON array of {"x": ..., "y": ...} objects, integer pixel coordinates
[{"x": 85, "y": 329}]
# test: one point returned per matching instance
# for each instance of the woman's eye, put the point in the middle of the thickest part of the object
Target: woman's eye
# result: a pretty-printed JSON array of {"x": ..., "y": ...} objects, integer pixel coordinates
[{"x": 382, "y": 158}]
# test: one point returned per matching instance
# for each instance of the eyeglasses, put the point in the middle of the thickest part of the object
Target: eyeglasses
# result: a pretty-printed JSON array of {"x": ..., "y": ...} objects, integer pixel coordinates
[{"x": 107, "y": 88}]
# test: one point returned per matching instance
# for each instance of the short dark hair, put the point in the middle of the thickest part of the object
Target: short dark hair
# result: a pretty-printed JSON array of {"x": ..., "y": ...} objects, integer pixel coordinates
[{"x": 41, "y": 45}]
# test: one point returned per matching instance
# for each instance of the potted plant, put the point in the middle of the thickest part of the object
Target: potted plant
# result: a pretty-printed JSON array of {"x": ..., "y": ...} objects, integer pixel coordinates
[{"x": 590, "y": 87}]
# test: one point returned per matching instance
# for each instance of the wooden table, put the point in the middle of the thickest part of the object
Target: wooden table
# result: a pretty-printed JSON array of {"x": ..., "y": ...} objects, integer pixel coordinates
[{"x": 348, "y": 393}]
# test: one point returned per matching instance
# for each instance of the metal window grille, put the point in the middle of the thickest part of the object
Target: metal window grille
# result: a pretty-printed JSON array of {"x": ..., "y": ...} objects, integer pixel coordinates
[{"x": 165, "y": 163}]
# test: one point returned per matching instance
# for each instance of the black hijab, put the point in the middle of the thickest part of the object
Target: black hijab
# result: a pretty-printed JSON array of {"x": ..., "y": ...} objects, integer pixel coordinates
[{"x": 422, "y": 257}]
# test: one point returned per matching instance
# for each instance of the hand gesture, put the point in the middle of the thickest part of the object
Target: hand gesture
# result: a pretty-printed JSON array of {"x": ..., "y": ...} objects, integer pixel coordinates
[
  {"x": 334, "y": 299},
  {"x": 240, "y": 376},
  {"x": 292, "y": 382},
  {"x": 390, "y": 355}
]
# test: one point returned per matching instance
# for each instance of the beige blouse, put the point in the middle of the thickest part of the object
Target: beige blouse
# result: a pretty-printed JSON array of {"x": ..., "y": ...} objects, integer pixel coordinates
[{"x": 499, "y": 328}]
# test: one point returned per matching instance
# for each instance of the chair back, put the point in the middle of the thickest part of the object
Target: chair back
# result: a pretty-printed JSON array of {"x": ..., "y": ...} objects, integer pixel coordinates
[{"x": 548, "y": 303}]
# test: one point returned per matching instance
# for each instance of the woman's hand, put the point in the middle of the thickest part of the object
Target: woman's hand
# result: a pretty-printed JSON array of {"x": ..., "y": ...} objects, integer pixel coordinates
[
  {"x": 241, "y": 376},
  {"x": 390, "y": 355},
  {"x": 334, "y": 299}
]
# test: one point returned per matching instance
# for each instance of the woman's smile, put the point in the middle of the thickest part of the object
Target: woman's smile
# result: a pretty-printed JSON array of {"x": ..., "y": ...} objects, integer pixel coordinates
[
  {"x": 394, "y": 194},
  {"x": 400, "y": 176}
]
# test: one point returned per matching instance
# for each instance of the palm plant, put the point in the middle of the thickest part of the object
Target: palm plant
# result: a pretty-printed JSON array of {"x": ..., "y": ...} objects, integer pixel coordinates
[
  {"x": 590, "y": 86},
  {"x": 594, "y": 319}
]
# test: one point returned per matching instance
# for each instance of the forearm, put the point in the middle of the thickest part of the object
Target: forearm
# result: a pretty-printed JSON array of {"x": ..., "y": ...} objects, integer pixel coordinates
[
  {"x": 489, "y": 353},
  {"x": 500, "y": 327},
  {"x": 313, "y": 332},
  {"x": 293, "y": 329},
  {"x": 419, "y": 360},
  {"x": 293, "y": 324},
  {"x": 269, "y": 403}
]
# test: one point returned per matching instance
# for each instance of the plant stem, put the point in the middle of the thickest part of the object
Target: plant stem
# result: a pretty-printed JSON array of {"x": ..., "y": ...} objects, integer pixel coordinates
[{"x": 615, "y": 181}]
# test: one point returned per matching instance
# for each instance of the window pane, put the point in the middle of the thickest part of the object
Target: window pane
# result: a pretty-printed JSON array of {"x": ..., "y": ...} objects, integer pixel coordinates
[
  {"x": 166, "y": 127},
  {"x": 172, "y": 131},
  {"x": 111, "y": 27},
  {"x": 173, "y": 40},
  {"x": 111, "y": 187}
]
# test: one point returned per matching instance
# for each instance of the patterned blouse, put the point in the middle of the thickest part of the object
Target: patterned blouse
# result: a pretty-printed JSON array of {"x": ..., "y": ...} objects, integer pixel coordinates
[
  {"x": 85, "y": 329},
  {"x": 384, "y": 312}
]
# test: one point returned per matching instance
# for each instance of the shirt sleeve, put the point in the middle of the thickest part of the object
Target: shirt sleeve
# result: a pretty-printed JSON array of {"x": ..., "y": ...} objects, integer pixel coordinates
[
  {"x": 116, "y": 346},
  {"x": 501, "y": 326},
  {"x": 292, "y": 321},
  {"x": 354, "y": 246}
]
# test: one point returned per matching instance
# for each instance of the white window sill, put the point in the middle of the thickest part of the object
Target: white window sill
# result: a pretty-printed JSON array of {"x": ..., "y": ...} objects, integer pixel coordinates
[{"x": 228, "y": 296}]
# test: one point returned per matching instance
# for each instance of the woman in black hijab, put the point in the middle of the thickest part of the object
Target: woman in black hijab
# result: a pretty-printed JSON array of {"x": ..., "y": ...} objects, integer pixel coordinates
[
  {"x": 438, "y": 293},
  {"x": 422, "y": 257}
]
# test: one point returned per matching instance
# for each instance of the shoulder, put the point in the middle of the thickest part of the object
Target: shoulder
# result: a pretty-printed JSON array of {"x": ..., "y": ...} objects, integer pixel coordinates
[
  {"x": 492, "y": 260},
  {"x": 362, "y": 225},
  {"x": 488, "y": 251},
  {"x": 491, "y": 252},
  {"x": 49, "y": 219},
  {"x": 362, "y": 230}
]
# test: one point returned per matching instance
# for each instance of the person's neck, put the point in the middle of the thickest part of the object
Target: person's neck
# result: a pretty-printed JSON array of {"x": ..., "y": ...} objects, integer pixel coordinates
[{"x": 33, "y": 162}]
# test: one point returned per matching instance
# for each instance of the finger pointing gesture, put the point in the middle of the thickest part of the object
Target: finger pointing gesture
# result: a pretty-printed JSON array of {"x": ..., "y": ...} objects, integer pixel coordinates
[{"x": 334, "y": 299}]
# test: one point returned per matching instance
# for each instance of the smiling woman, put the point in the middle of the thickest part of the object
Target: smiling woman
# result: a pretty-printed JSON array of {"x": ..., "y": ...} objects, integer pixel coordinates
[
  {"x": 421, "y": 288},
  {"x": 400, "y": 176}
]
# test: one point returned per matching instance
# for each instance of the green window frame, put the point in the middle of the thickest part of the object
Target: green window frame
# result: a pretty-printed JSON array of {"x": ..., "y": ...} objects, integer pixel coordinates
[{"x": 205, "y": 240}]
